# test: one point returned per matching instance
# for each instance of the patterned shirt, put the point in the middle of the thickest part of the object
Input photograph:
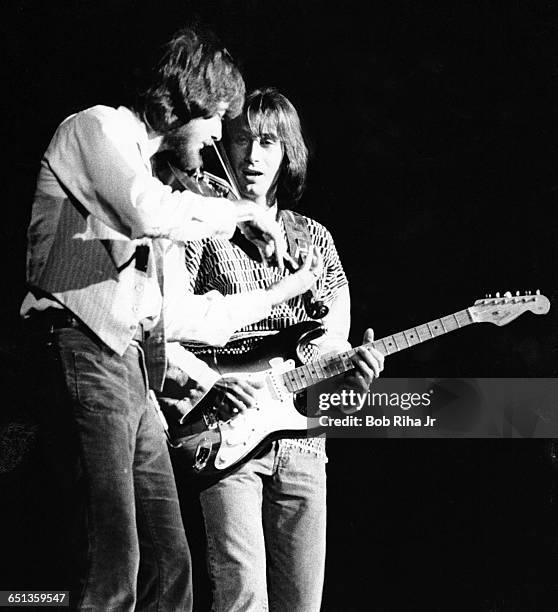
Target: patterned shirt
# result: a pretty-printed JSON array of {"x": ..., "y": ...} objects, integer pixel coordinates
[{"x": 226, "y": 266}]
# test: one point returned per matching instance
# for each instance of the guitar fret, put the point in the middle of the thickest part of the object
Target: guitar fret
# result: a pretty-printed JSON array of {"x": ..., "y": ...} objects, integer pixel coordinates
[
  {"x": 450, "y": 323},
  {"x": 289, "y": 378},
  {"x": 313, "y": 371},
  {"x": 299, "y": 379},
  {"x": 401, "y": 337},
  {"x": 385, "y": 351},
  {"x": 339, "y": 365},
  {"x": 318, "y": 364}
]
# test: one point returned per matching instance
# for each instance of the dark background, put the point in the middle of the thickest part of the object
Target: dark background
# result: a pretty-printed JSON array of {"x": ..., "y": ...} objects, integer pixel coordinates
[{"x": 433, "y": 130}]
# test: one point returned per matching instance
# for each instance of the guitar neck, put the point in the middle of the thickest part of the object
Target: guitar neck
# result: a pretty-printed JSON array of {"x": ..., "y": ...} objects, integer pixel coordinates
[{"x": 329, "y": 366}]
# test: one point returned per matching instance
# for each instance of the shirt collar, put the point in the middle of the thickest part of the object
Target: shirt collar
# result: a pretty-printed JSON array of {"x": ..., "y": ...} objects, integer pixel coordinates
[{"x": 148, "y": 145}]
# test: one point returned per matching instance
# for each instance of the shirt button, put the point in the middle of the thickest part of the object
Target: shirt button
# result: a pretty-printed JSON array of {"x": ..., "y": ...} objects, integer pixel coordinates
[{"x": 138, "y": 287}]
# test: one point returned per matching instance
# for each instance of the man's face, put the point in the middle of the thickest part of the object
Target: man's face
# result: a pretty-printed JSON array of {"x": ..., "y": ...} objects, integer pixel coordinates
[
  {"x": 256, "y": 161},
  {"x": 188, "y": 140}
]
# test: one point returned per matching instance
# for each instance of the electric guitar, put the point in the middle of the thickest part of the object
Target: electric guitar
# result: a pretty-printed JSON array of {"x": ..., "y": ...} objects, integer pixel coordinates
[{"x": 212, "y": 447}]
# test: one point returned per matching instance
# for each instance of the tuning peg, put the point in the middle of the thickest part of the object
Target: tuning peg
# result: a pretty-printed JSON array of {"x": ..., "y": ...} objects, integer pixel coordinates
[
  {"x": 497, "y": 294},
  {"x": 517, "y": 293},
  {"x": 538, "y": 292},
  {"x": 507, "y": 294}
]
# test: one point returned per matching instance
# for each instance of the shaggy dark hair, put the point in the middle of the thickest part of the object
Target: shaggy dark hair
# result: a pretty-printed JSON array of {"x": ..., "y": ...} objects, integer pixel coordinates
[
  {"x": 194, "y": 75},
  {"x": 269, "y": 112}
]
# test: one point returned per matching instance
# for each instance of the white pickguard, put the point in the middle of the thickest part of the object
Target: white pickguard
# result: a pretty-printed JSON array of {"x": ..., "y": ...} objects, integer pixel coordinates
[{"x": 274, "y": 411}]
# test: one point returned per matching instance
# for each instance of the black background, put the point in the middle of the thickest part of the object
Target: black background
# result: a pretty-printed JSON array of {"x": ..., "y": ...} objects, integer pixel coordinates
[{"x": 433, "y": 131}]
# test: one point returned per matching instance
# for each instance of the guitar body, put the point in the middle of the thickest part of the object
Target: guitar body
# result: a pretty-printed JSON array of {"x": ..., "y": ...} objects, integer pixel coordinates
[{"x": 213, "y": 448}]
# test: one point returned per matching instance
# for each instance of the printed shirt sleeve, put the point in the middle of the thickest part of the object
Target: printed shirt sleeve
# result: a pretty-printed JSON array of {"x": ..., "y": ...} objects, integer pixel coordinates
[
  {"x": 96, "y": 156},
  {"x": 333, "y": 289}
]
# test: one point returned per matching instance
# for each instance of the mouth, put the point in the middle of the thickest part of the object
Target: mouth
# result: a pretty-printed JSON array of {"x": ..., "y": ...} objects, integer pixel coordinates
[{"x": 251, "y": 174}]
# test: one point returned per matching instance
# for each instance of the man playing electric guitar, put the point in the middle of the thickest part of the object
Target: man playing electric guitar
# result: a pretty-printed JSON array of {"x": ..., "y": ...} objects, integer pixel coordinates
[{"x": 265, "y": 522}]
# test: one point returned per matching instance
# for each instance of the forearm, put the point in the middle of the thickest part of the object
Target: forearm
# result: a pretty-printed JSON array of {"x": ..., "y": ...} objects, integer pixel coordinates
[{"x": 213, "y": 318}]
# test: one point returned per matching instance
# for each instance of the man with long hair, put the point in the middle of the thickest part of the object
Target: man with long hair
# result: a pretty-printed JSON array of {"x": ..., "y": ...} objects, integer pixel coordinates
[
  {"x": 104, "y": 248},
  {"x": 265, "y": 522}
]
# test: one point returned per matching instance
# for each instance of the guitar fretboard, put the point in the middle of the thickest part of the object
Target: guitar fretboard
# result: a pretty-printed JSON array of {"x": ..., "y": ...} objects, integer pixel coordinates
[{"x": 331, "y": 365}]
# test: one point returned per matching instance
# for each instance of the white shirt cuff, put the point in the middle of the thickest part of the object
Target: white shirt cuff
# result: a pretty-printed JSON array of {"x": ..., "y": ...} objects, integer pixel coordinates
[{"x": 195, "y": 368}]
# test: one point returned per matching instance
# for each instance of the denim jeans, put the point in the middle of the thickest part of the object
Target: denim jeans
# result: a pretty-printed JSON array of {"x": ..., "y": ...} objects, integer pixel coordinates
[
  {"x": 266, "y": 529},
  {"x": 105, "y": 441}
]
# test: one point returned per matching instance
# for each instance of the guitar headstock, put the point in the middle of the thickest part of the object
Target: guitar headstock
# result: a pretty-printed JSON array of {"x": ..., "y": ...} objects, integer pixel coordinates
[{"x": 500, "y": 310}]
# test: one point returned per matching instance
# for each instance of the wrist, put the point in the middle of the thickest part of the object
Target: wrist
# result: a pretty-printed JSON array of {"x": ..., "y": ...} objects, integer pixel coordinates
[
  {"x": 275, "y": 294},
  {"x": 244, "y": 211}
]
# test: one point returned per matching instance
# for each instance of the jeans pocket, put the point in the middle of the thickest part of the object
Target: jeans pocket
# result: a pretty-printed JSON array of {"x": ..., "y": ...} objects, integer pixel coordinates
[{"x": 99, "y": 382}]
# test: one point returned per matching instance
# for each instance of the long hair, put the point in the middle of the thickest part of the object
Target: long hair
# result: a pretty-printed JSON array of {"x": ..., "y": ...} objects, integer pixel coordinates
[
  {"x": 269, "y": 112},
  {"x": 194, "y": 75}
]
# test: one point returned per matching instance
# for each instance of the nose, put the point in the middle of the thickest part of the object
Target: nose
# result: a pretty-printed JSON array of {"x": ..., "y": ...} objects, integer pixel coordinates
[
  {"x": 217, "y": 129},
  {"x": 253, "y": 150}
]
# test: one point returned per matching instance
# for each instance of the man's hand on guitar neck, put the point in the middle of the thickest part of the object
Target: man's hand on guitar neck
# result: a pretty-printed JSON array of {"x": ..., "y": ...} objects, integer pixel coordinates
[
  {"x": 368, "y": 364},
  {"x": 232, "y": 395}
]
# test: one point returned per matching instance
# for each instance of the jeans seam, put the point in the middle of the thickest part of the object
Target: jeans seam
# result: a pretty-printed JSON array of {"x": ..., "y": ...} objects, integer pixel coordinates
[
  {"x": 156, "y": 548},
  {"x": 211, "y": 561},
  {"x": 89, "y": 523}
]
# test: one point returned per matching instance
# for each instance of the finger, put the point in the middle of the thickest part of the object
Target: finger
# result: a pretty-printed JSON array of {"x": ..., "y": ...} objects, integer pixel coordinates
[
  {"x": 363, "y": 382},
  {"x": 317, "y": 263},
  {"x": 253, "y": 382},
  {"x": 268, "y": 250},
  {"x": 369, "y": 338},
  {"x": 372, "y": 358},
  {"x": 280, "y": 252},
  {"x": 307, "y": 262},
  {"x": 229, "y": 380},
  {"x": 233, "y": 403},
  {"x": 246, "y": 397},
  {"x": 367, "y": 369},
  {"x": 292, "y": 262},
  {"x": 276, "y": 247},
  {"x": 378, "y": 356}
]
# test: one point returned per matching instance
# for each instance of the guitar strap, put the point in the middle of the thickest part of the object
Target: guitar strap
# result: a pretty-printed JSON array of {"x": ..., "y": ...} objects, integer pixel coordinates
[{"x": 299, "y": 239}]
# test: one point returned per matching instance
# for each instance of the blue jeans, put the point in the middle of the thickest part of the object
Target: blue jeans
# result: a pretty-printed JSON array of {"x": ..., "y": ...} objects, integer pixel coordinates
[
  {"x": 266, "y": 528},
  {"x": 105, "y": 441}
]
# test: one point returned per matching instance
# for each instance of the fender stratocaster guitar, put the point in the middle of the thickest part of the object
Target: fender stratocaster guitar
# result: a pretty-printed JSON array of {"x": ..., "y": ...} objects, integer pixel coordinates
[{"x": 212, "y": 447}]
